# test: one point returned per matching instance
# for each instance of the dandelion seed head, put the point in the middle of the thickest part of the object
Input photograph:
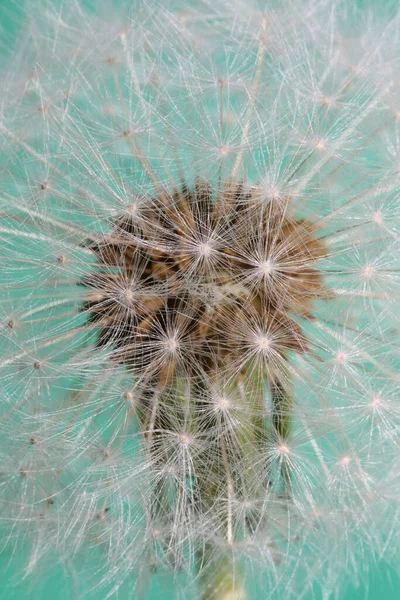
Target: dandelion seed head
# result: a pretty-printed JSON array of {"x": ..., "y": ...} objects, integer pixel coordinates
[
  {"x": 264, "y": 343},
  {"x": 328, "y": 101},
  {"x": 368, "y": 271},
  {"x": 172, "y": 344},
  {"x": 199, "y": 289},
  {"x": 222, "y": 403},
  {"x": 375, "y": 403},
  {"x": 283, "y": 450},
  {"x": 267, "y": 268},
  {"x": 205, "y": 250},
  {"x": 223, "y": 151},
  {"x": 377, "y": 217},
  {"x": 185, "y": 439},
  {"x": 128, "y": 295},
  {"x": 341, "y": 357}
]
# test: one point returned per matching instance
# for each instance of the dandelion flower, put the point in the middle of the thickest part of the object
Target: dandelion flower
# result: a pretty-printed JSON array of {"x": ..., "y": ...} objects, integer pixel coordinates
[{"x": 199, "y": 284}]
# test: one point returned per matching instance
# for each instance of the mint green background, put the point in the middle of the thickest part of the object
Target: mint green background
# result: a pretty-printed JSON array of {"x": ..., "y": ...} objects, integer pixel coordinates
[{"x": 380, "y": 583}]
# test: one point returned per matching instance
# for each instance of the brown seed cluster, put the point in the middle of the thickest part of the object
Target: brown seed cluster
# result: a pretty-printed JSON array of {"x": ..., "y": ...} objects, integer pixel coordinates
[{"x": 204, "y": 281}]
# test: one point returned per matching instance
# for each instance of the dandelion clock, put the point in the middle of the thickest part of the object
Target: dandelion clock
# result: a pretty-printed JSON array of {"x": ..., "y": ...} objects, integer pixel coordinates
[{"x": 199, "y": 297}]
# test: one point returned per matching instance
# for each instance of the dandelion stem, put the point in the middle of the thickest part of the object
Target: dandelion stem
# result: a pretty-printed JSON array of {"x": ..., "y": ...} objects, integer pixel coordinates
[
  {"x": 281, "y": 406},
  {"x": 229, "y": 485},
  {"x": 220, "y": 580}
]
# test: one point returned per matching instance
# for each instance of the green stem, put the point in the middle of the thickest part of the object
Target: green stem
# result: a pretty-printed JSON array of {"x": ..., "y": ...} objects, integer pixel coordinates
[
  {"x": 281, "y": 403},
  {"x": 221, "y": 578},
  {"x": 281, "y": 420}
]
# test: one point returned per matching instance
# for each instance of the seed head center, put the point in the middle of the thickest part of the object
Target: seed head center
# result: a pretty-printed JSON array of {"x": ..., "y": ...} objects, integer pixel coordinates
[
  {"x": 368, "y": 271},
  {"x": 377, "y": 217},
  {"x": 189, "y": 273},
  {"x": 172, "y": 344},
  {"x": 222, "y": 402},
  {"x": 264, "y": 342},
  {"x": 267, "y": 267},
  {"x": 205, "y": 249},
  {"x": 129, "y": 295},
  {"x": 375, "y": 403}
]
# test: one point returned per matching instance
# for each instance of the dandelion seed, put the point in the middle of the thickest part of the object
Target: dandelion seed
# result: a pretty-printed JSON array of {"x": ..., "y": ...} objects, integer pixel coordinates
[
  {"x": 368, "y": 271},
  {"x": 377, "y": 218},
  {"x": 375, "y": 403}
]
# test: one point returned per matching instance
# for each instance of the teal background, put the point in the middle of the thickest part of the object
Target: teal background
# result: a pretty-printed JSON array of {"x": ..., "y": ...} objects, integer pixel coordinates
[{"x": 379, "y": 583}]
